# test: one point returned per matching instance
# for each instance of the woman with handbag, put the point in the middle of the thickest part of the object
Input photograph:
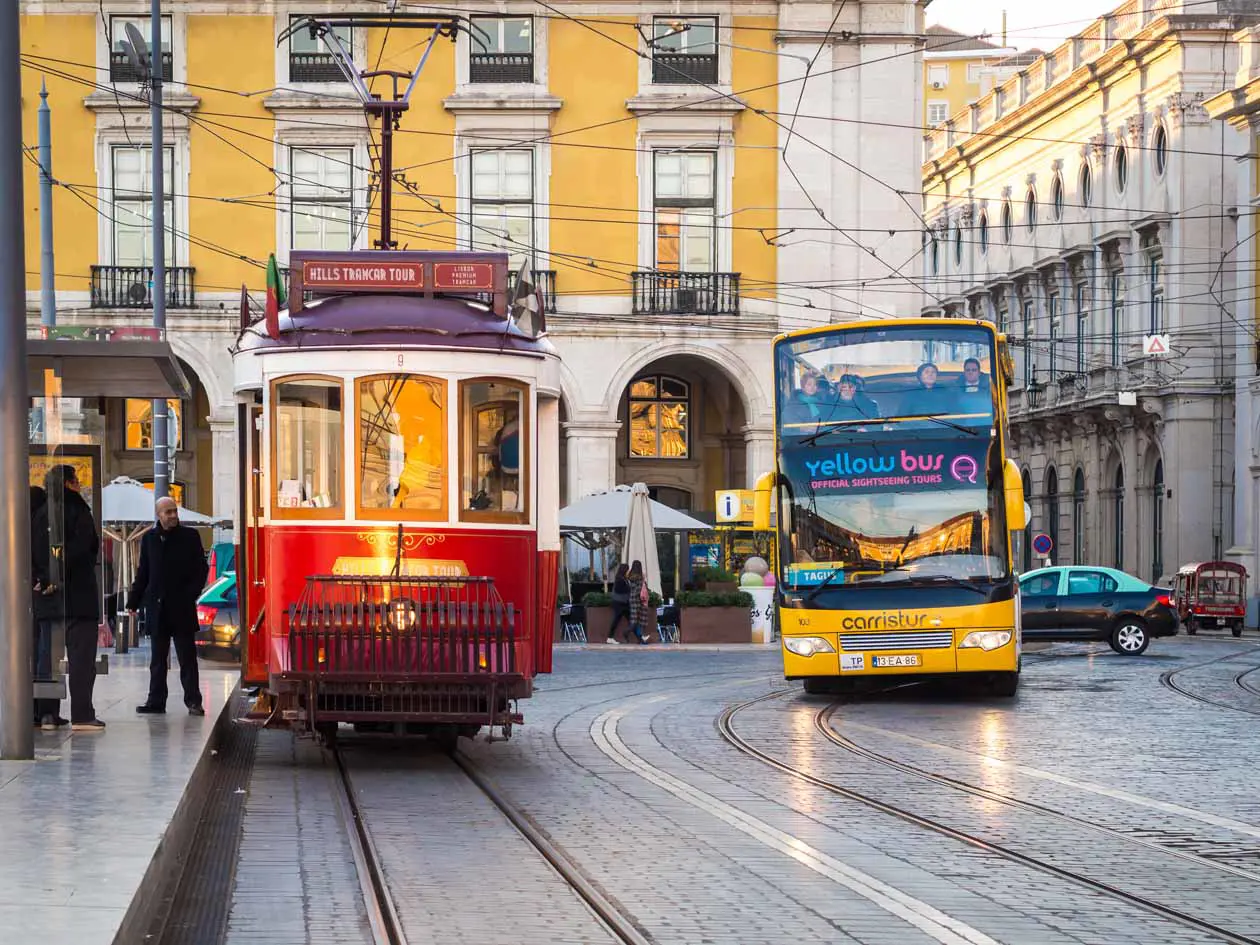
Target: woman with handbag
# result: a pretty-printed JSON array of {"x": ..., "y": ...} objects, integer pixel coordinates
[{"x": 638, "y": 600}]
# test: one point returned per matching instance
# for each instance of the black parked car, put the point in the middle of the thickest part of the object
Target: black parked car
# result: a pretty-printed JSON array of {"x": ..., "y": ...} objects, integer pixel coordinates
[{"x": 1094, "y": 604}]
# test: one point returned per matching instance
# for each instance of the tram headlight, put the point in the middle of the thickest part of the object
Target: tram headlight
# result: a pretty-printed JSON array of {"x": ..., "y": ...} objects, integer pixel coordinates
[
  {"x": 807, "y": 646},
  {"x": 401, "y": 613},
  {"x": 985, "y": 639}
]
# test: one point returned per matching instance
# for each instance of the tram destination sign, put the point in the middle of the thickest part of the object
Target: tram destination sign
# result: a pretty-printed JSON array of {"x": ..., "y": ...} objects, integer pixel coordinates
[
  {"x": 321, "y": 274},
  {"x": 475, "y": 277}
]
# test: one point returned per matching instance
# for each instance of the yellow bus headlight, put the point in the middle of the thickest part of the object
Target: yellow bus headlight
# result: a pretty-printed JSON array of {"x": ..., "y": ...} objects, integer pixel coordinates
[
  {"x": 985, "y": 639},
  {"x": 807, "y": 646}
]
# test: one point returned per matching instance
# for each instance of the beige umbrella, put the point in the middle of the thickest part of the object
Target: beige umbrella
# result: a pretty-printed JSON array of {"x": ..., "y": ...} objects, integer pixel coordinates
[{"x": 640, "y": 544}]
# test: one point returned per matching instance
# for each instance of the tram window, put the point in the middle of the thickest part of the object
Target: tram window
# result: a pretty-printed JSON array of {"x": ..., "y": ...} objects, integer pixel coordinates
[
  {"x": 308, "y": 448},
  {"x": 494, "y": 450},
  {"x": 402, "y": 447}
]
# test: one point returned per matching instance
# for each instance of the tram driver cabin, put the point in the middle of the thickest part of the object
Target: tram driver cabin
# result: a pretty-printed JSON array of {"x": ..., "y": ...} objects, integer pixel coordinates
[{"x": 399, "y": 486}]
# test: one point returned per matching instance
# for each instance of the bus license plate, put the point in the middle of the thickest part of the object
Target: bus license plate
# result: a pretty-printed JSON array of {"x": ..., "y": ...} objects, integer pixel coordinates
[{"x": 904, "y": 659}]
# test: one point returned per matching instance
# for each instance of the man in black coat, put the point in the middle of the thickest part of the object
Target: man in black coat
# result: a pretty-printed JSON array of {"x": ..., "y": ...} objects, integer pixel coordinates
[
  {"x": 170, "y": 578},
  {"x": 64, "y": 549}
]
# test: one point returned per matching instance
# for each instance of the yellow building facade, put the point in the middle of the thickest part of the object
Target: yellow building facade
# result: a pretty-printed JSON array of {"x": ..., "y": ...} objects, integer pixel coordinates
[
  {"x": 633, "y": 157},
  {"x": 957, "y": 70}
]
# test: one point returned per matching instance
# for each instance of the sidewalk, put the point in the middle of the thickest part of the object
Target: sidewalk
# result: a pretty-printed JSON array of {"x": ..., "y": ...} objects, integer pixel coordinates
[{"x": 82, "y": 822}]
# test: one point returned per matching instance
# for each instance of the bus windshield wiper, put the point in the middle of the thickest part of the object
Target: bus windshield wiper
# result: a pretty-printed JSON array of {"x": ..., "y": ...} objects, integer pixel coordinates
[
  {"x": 831, "y": 576},
  {"x": 938, "y": 419},
  {"x": 960, "y": 582},
  {"x": 834, "y": 426}
]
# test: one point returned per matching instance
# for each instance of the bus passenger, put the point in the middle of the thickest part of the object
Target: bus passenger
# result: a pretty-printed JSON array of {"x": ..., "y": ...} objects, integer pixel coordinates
[
  {"x": 927, "y": 399},
  {"x": 852, "y": 404},
  {"x": 813, "y": 402},
  {"x": 975, "y": 393}
]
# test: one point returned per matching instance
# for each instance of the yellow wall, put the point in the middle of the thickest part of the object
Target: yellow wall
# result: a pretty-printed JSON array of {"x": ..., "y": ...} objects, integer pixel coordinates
[
  {"x": 231, "y": 208},
  {"x": 958, "y": 92}
]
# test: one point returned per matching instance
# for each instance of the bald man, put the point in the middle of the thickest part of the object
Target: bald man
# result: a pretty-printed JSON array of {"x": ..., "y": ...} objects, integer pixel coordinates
[{"x": 171, "y": 576}]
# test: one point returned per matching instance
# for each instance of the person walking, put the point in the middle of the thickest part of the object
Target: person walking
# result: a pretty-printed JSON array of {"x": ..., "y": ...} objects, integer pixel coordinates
[
  {"x": 71, "y": 596},
  {"x": 638, "y": 600},
  {"x": 169, "y": 579},
  {"x": 47, "y": 711},
  {"x": 620, "y": 603}
]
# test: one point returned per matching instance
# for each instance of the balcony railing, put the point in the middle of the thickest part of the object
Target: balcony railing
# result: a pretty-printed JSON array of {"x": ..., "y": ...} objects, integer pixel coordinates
[
  {"x": 314, "y": 67},
  {"x": 132, "y": 286},
  {"x": 657, "y": 292},
  {"x": 544, "y": 279},
  {"x": 121, "y": 69},
  {"x": 684, "y": 68},
  {"x": 501, "y": 67}
]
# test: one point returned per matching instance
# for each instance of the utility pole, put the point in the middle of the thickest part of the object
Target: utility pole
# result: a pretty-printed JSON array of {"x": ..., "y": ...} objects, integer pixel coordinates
[
  {"x": 161, "y": 455},
  {"x": 17, "y": 735},
  {"x": 47, "y": 268}
]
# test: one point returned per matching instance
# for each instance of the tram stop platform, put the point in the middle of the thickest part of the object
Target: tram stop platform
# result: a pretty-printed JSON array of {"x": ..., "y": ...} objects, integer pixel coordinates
[{"x": 88, "y": 827}]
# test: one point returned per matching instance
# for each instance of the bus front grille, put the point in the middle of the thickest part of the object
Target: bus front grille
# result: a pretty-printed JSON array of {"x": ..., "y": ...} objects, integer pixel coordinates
[{"x": 936, "y": 640}]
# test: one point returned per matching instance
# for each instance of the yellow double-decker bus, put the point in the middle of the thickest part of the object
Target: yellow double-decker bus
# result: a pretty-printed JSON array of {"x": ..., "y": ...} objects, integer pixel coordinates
[{"x": 896, "y": 503}]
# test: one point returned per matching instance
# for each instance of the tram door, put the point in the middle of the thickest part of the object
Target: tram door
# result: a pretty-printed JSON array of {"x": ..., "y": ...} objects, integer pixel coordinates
[{"x": 249, "y": 578}]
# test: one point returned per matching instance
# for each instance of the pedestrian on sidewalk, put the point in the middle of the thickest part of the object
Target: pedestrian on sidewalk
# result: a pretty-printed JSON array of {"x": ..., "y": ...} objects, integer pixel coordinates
[
  {"x": 47, "y": 711},
  {"x": 170, "y": 578},
  {"x": 638, "y": 601},
  {"x": 71, "y": 596},
  {"x": 620, "y": 603}
]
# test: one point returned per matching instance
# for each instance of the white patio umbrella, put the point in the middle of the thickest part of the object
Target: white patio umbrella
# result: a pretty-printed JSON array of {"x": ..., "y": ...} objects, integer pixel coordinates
[{"x": 640, "y": 544}]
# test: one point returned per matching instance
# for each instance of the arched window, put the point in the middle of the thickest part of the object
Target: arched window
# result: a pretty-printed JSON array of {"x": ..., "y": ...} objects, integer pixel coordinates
[
  {"x": 1161, "y": 150},
  {"x": 1008, "y": 224},
  {"x": 1157, "y": 523},
  {"x": 958, "y": 244},
  {"x": 1117, "y": 519},
  {"x": 1028, "y": 529},
  {"x": 1052, "y": 508},
  {"x": 1030, "y": 210},
  {"x": 1078, "y": 517},
  {"x": 1056, "y": 198},
  {"x": 935, "y": 251},
  {"x": 660, "y": 417},
  {"x": 984, "y": 234},
  {"x": 1122, "y": 169},
  {"x": 1087, "y": 185}
]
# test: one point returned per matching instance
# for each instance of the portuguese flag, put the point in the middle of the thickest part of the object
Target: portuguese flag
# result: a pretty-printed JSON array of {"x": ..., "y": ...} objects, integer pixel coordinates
[{"x": 275, "y": 296}]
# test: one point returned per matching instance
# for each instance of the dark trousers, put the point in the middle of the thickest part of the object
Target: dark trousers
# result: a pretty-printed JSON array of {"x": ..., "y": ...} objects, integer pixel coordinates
[
  {"x": 81, "y": 654},
  {"x": 43, "y": 668},
  {"x": 620, "y": 612},
  {"x": 186, "y": 652}
]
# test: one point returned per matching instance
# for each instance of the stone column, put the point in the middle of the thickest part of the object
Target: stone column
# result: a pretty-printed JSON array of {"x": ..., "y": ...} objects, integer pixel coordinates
[
  {"x": 224, "y": 459},
  {"x": 592, "y": 455},
  {"x": 759, "y": 449}
]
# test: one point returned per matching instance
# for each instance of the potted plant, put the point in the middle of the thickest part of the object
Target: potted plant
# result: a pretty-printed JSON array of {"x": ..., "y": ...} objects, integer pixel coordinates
[
  {"x": 715, "y": 580},
  {"x": 599, "y": 615},
  {"x": 709, "y": 617}
]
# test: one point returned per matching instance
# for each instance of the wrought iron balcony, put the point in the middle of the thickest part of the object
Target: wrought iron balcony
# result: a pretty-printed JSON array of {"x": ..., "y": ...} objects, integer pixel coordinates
[
  {"x": 132, "y": 286},
  {"x": 501, "y": 67},
  {"x": 670, "y": 68},
  {"x": 314, "y": 67},
  {"x": 658, "y": 292},
  {"x": 121, "y": 70},
  {"x": 545, "y": 280}
]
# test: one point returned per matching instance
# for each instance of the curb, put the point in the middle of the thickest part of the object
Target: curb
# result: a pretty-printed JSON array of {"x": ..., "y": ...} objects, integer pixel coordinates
[{"x": 151, "y": 903}]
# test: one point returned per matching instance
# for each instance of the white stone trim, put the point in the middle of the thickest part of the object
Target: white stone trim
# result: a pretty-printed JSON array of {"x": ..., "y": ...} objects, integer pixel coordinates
[
  {"x": 724, "y": 39},
  {"x": 350, "y": 136},
  {"x": 140, "y": 10},
  {"x": 721, "y": 141},
  {"x": 539, "y": 28},
  {"x": 335, "y": 90},
  {"x": 499, "y": 131},
  {"x": 108, "y": 138}
]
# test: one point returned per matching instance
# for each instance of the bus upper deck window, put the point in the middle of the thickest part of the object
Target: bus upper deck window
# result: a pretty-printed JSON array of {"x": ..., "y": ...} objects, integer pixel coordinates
[
  {"x": 492, "y": 460},
  {"x": 308, "y": 444},
  {"x": 402, "y": 447}
]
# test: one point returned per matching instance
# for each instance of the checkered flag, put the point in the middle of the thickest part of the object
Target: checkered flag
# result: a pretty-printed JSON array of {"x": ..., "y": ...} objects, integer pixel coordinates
[{"x": 526, "y": 307}]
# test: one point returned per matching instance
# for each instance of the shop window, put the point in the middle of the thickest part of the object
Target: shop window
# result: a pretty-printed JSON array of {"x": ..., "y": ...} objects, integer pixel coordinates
[
  {"x": 401, "y": 463},
  {"x": 494, "y": 453},
  {"x": 659, "y": 418},
  {"x": 140, "y": 423},
  {"x": 307, "y": 418}
]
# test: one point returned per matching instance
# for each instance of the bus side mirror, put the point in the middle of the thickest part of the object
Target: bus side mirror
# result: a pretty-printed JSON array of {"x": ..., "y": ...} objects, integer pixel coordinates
[
  {"x": 1013, "y": 483},
  {"x": 763, "y": 495}
]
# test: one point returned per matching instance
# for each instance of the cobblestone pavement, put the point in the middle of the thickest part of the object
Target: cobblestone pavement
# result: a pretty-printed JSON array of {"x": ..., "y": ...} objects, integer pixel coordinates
[{"x": 621, "y": 764}]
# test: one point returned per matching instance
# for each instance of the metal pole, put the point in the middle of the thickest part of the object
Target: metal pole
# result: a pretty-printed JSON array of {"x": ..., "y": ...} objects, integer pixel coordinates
[
  {"x": 387, "y": 176},
  {"x": 161, "y": 457},
  {"x": 47, "y": 268},
  {"x": 17, "y": 735}
]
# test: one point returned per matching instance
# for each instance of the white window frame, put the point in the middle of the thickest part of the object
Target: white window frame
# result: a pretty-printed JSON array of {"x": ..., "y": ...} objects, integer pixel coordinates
[
  {"x": 141, "y": 197},
  {"x": 710, "y": 154},
  {"x": 357, "y": 215},
  {"x": 974, "y": 70},
  {"x": 465, "y": 144},
  {"x": 179, "y": 43},
  {"x": 358, "y": 41},
  {"x": 722, "y": 144},
  {"x": 944, "y": 112},
  {"x": 723, "y": 39},
  {"x": 530, "y": 251},
  {"x": 541, "y": 57},
  {"x": 938, "y": 74},
  {"x": 109, "y": 138},
  {"x": 318, "y": 140}
]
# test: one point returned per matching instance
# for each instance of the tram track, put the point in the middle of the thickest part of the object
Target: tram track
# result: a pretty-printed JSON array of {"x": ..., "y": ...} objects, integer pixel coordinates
[
  {"x": 384, "y": 912},
  {"x": 728, "y": 732},
  {"x": 1169, "y": 680}
]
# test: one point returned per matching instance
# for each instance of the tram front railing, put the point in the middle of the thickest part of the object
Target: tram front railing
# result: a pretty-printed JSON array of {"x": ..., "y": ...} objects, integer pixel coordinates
[{"x": 401, "y": 628}]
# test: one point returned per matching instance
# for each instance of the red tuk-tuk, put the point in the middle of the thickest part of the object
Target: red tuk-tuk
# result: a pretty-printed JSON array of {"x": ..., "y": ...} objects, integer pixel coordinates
[{"x": 1213, "y": 594}]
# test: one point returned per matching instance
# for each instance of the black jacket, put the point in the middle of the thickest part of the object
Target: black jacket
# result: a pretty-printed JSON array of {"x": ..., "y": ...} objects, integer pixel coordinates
[
  {"x": 78, "y": 596},
  {"x": 171, "y": 576}
]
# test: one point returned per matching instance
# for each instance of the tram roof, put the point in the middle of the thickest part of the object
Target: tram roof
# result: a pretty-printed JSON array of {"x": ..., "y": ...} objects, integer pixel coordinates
[{"x": 395, "y": 321}]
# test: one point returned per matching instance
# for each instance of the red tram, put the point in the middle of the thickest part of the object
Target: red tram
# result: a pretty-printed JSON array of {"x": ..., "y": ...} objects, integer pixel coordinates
[{"x": 398, "y": 436}]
